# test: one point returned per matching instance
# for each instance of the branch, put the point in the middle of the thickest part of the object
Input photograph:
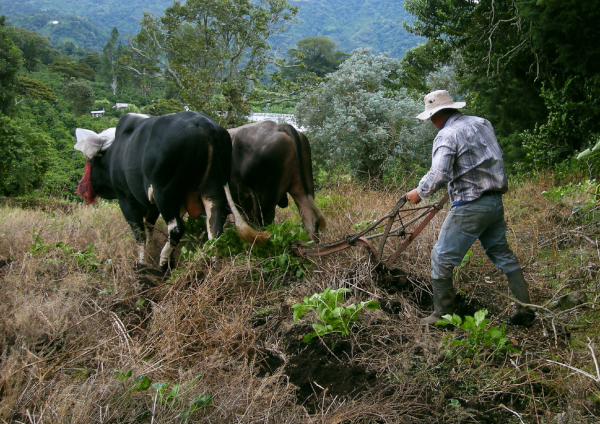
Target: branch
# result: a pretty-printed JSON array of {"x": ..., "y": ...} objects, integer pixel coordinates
[{"x": 593, "y": 378}]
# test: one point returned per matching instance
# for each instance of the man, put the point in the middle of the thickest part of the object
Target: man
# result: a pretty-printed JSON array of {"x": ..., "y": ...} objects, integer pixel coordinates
[{"x": 468, "y": 160}]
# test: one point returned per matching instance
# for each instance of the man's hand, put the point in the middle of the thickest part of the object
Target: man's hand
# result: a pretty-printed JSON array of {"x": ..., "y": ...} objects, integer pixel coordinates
[{"x": 413, "y": 196}]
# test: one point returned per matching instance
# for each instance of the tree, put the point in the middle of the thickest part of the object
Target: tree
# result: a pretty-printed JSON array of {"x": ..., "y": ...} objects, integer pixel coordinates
[
  {"x": 164, "y": 107},
  {"x": 359, "y": 116},
  {"x": 24, "y": 159},
  {"x": 92, "y": 60},
  {"x": 142, "y": 71},
  {"x": 41, "y": 45},
  {"x": 80, "y": 96},
  {"x": 421, "y": 61},
  {"x": 32, "y": 89},
  {"x": 313, "y": 54},
  {"x": 214, "y": 50},
  {"x": 30, "y": 56},
  {"x": 111, "y": 55},
  {"x": 518, "y": 58},
  {"x": 69, "y": 69},
  {"x": 565, "y": 33},
  {"x": 10, "y": 64}
]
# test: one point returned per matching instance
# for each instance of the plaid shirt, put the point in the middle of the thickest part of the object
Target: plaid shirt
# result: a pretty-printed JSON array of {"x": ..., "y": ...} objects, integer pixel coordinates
[{"x": 467, "y": 157}]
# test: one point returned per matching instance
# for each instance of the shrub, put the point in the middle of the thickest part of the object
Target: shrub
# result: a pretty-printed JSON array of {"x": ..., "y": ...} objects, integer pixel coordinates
[
  {"x": 478, "y": 336},
  {"x": 331, "y": 317}
]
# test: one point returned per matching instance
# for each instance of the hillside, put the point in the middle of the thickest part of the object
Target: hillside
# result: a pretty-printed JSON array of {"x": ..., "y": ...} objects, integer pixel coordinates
[
  {"x": 350, "y": 23},
  {"x": 86, "y": 338},
  {"x": 61, "y": 28}
]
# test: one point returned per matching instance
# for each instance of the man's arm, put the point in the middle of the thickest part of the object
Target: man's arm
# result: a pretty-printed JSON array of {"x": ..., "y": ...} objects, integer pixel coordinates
[{"x": 440, "y": 172}]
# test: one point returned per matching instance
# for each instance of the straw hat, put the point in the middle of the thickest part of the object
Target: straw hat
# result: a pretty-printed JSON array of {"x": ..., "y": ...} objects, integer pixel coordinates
[{"x": 438, "y": 100}]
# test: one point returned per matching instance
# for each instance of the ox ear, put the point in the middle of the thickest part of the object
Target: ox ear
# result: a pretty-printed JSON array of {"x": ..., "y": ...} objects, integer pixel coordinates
[
  {"x": 107, "y": 136},
  {"x": 88, "y": 142}
]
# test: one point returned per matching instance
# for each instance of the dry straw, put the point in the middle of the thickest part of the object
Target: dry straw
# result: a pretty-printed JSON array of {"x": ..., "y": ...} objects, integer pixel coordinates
[{"x": 68, "y": 324}]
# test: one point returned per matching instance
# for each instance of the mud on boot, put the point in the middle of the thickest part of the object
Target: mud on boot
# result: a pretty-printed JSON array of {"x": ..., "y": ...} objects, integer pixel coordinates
[
  {"x": 443, "y": 300},
  {"x": 518, "y": 287}
]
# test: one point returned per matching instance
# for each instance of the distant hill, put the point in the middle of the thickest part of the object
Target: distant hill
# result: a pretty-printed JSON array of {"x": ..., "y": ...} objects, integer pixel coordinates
[
  {"x": 350, "y": 23},
  {"x": 61, "y": 28}
]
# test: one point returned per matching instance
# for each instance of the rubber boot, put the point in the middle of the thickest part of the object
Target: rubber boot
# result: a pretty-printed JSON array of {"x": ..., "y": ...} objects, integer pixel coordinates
[
  {"x": 518, "y": 287},
  {"x": 443, "y": 300}
]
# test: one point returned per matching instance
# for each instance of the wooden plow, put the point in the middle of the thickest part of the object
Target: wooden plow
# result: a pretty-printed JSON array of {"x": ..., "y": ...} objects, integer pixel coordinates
[{"x": 398, "y": 222}]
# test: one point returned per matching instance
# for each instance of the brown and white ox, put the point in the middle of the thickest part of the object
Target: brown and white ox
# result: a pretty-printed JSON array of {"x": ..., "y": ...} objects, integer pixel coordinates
[{"x": 270, "y": 160}]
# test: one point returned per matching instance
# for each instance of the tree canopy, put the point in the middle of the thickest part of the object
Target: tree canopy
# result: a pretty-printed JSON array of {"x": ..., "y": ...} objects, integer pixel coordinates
[
  {"x": 313, "y": 54},
  {"x": 214, "y": 50},
  {"x": 523, "y": 64},
  {"x": 359, "y": 116}
]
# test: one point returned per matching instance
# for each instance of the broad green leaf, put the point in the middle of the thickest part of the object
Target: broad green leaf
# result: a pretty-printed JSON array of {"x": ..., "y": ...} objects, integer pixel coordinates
[
  {"x": 372, "y": 304},
  {"x": 298, "y": 311},
  {"x": 174, "y": 392},
  {"x": 319, "y": 328},
  {"x": 141, "y": 382},
  {"x": 160, "y": 387},
  {"x": 480, "y": 316},
  {"x": 309, "y": 337}
]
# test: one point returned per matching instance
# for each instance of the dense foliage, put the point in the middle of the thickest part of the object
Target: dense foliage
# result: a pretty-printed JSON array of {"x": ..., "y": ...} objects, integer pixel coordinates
[
  {"x": 360, "y": 117},
  {"x": 62, "y": 28},
  {"x": 535, "y": 80},
  {"x": 529, "y": 66},
  {"x": 353, "y": 24},
  {"x": 214, "y": 50},
  {"x": 316, "y": 55},
  {"x": 349, "y": 23}
]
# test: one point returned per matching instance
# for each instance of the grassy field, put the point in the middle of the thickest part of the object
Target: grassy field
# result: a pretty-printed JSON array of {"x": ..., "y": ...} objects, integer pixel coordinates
[{"x": 86, "y": 337}]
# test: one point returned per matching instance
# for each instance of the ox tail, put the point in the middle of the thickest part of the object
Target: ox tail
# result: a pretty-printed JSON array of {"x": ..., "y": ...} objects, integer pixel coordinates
[
  {"x": 308, "y": 188},
  {"x": 245, "y": 231}
]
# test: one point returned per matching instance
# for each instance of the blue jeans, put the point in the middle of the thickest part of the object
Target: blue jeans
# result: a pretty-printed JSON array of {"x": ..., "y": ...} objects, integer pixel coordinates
[{"x": 481, "y": 219}]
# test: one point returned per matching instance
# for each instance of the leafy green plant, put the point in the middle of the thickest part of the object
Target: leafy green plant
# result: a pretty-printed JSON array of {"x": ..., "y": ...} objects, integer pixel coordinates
[
  {"x": 463, "y": 263},
  {"x": 557, "y": 193},
  {"x": 86, "y": 258},
  {"x": 584, "y": 197},
  {"x": 478, "y": 336},
  {"x": 138, "y": 383},
  {"x": 171, "y": 395},
  {"x": 275, "y": 257},
  {"x": 331, "y": 316}
]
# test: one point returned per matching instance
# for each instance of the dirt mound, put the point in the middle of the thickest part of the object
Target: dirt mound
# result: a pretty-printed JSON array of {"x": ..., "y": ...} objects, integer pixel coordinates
[{"x": 324, "y": 366}]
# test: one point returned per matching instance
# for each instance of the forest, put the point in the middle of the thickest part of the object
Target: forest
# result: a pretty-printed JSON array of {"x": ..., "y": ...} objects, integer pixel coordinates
[
  {"x": 89, "y": 336},
  {"x": 350, "y": 24}
]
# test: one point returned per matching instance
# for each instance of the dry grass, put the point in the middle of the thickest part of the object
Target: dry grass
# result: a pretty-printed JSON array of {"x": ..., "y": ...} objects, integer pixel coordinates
[{"x": 73, "y": 314}]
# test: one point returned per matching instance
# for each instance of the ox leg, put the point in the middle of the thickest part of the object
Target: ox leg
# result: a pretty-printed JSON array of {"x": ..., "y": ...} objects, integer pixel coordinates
[
  {"x": 267, "y": 206},
  {"x": 214, "y": 217},
  {"x": 176, "y": 230},
  {"x": 311, "y": 216},
  {"x": 135, "y": 218},
  {"x": 149, "y": 222}
]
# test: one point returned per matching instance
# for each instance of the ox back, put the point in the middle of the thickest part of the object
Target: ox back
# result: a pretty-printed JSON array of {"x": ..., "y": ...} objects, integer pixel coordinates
[
  {"x": 270, "y": 160},
  {"x": 166, "y": 165}
]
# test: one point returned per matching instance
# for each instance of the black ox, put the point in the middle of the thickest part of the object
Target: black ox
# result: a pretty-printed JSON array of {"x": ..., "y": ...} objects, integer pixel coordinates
[
  {"x": 166, "y": 165},
  {"x": 270, "y": 160}
]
